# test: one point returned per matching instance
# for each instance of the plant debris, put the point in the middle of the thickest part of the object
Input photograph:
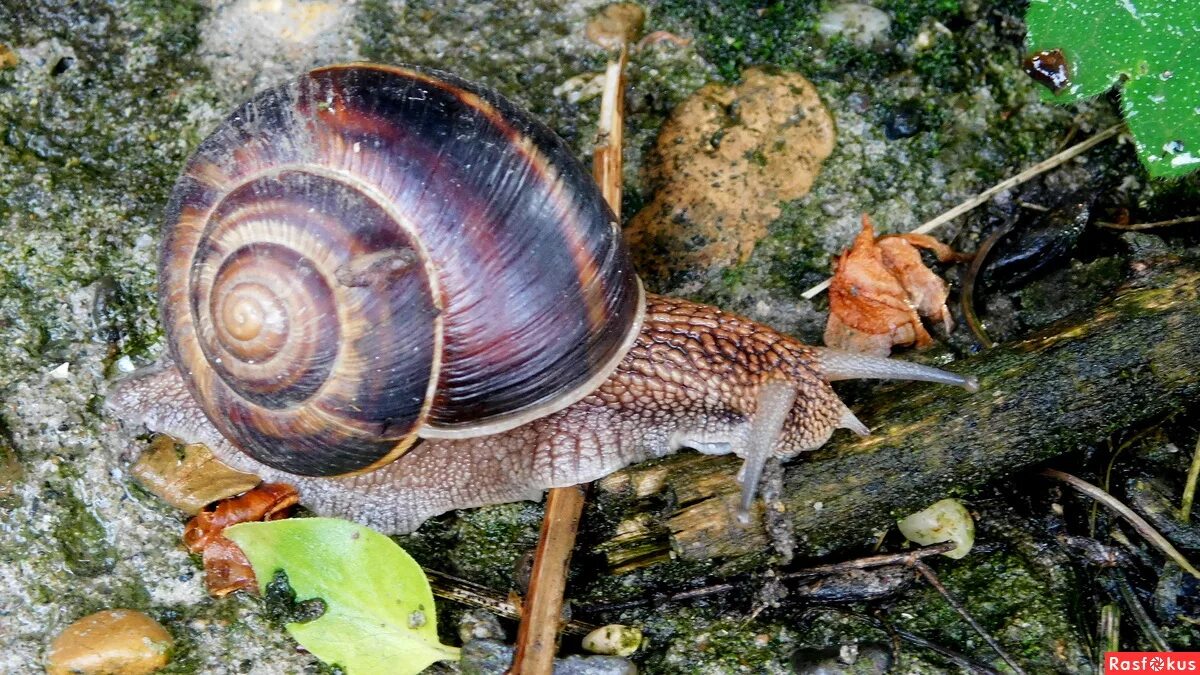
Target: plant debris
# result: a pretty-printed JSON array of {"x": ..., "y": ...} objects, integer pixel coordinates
[
  {"x": 188, "y": 476},
  {"x": 881, "y": 289},
  {"x": 616, "y": 25},
  {"x": 226, "y": 568}
]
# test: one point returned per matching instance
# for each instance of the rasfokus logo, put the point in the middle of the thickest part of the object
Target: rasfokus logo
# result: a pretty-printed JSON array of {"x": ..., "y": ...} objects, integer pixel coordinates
[{"x": 1151, "y": 662}]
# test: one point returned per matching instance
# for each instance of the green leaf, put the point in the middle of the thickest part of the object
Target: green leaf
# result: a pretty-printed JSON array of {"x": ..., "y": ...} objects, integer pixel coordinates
[
  {"x": 1153, "y": 46},
  {"x": 379, "y": 613}
]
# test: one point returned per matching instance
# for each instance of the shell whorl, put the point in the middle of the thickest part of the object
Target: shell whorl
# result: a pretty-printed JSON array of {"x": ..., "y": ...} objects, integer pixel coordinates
[{"x": 369, "y": 253}]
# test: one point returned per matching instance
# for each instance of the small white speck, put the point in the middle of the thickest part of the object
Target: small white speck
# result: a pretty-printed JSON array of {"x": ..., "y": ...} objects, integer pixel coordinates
[
  {"x": 61, "y": 372},
  {"x": 1186, "y": 159},
  {"x": 1173, "y": 147},
  {"x": 416, "y": 619},
  {"x": 125, "y": 365},
  {"x": 357, "y": 146},
  {"x": 817, "y": 506}
]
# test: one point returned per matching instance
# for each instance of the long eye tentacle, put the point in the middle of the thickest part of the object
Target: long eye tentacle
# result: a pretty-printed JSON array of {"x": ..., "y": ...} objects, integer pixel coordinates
[{"x": 838, "y": 365}]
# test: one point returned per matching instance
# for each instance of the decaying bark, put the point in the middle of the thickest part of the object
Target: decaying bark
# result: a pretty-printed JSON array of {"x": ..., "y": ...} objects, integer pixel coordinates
[{"x": 1134, "y": 359}]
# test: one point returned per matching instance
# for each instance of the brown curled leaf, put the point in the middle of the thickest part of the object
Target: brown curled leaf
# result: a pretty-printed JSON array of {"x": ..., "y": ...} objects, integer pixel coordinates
[
  {"x": 880, "y": 291},
  {"x": 226, "y": 568}
]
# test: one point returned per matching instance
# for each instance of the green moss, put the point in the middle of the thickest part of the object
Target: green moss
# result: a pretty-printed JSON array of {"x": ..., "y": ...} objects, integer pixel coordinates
[
  {"x": 82, "y": 539},
  {"x": 943, "y": 65},
  {"x": 1024, "y": 595},
  {"x": 842, "y": 56},
  {"x": 796, "y": 260},
  {"x": 737, "y": 34},
  {"x": 375, "y": 20},
  {"x": 93, "y": 138},
  {"x": 909, "y": 16},
  {"x": 514, "y": 62},
  {"x": 492, "y": 542}
]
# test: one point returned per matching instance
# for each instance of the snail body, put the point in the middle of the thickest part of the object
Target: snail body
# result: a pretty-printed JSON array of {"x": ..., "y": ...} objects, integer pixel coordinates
[{"x": 371, "y": 255}]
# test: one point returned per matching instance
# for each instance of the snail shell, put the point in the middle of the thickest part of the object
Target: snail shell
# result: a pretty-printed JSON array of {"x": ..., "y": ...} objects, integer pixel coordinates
[{"x": 367, "y": 254}]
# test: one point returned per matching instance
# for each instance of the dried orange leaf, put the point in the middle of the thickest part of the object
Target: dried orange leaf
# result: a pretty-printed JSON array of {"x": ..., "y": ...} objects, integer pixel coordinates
[
  {"x": 927, "y": 292},
  {"x": 880, "y": 291},
  {"x": 226, "y": 568}
]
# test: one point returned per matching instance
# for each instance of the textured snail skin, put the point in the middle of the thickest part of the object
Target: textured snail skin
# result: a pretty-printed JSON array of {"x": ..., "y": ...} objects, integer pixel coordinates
[{"x": 692, "y": 379}]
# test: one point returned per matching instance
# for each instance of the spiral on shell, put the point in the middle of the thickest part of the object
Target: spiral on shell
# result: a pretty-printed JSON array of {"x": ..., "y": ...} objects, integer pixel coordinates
[{"x": 369, "y": 253}]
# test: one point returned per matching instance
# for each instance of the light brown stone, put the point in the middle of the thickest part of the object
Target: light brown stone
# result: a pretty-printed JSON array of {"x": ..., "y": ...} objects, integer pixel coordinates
[
  {"x": 726, "y": 160},
  {"x": 112, "y": 642}
]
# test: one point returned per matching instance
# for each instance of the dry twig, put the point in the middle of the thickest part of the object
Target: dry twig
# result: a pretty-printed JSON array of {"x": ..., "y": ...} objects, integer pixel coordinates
[
  {"x": 537, "y": 635},
  {"x": 1189, "y": 488},
  {"x": 1109, "y": 638},
  {"x": 882, "y": 560},
  {"x": 1149, "y": 226},
  {"x": 933, "y": 580},
  {"x": 1140, "y": 616},
  {"x": 477, "y": 595},
  {"x": 954, "y": 657},
  {"x": 1143, "y": 528},
  {"x": 906, "y": 558}
]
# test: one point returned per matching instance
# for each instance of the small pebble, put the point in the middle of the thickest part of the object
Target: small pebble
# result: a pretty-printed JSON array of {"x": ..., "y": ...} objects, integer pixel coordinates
[
  {"x": 613, "y": 639},
  {"x": 903, "y": 121},
  {"x": 479, "y": 624},
  {"x": 8, "y": 58},
  {"x": 112, "y": 642},
  {"x": 848, "y": 659},
  {"x": 861, "y": 24},
  {"x": 125, "y": 365},
  {"x": 61, "y": 372},
  {"x": 946, "y": 520}
]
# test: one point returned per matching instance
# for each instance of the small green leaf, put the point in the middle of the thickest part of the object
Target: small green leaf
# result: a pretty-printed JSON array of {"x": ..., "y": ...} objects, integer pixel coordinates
[
  {"x": 378, "y": 610},
  {"x": 1153, "y": 46}
]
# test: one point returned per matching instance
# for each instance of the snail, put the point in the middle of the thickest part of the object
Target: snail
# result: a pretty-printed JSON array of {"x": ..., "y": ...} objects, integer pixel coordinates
[{"x": 402, "y": 294}]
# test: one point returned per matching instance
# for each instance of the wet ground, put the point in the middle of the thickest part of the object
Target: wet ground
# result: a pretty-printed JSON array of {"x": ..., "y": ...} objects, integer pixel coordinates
[{"x": 100, "y": 103}]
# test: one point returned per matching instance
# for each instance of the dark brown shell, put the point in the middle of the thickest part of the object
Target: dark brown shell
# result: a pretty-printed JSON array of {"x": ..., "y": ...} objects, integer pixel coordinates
[{"x": 370, "y": 252}]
